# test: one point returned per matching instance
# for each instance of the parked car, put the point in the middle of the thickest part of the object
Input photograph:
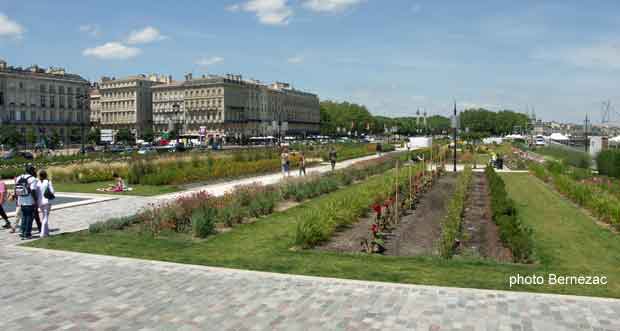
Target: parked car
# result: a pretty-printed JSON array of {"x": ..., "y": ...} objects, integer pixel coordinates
[
  {"x": 87, "y": 149},
  {"x": 147, "y": 150},
  {"x": 11, "y": 154}
]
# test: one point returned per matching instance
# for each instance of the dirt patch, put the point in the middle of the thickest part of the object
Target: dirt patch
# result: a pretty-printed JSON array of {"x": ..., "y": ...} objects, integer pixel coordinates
[
  {"x": 479, "y": 234},
  {"x": 418, "y": 231}
]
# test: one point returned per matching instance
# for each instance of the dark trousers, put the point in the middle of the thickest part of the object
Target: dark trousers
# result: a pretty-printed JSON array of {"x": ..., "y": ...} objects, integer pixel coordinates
[
  {"x": 27, "y": 218},
  {"x": 37, "y": 218},
  {"x": 3, "y": 214}
]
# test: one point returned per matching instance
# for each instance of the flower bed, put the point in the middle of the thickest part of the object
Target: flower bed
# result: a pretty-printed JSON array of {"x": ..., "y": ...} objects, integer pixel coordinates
[
  {"x": 451, "y": 225},
  {"x": 244, "y": 202},
  {"x": 513, "y": 233}
]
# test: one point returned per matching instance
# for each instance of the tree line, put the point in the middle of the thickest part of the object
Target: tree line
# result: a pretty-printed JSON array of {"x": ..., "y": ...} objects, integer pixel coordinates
[{"x": 344, "y": 118}]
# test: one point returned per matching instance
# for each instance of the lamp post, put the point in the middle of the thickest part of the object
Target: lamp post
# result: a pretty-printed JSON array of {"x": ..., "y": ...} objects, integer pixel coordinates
[
  {"x": 82, "y": 106},
  {"x": 177, "y": 119},
  {"x": 455, "y": 127}
]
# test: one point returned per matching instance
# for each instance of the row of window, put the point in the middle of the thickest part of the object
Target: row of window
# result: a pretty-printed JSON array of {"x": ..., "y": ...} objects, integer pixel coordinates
[
  {"x": 44, "y": 116},
  {"x": 130, "y": 104},
  {"x": 116, "y": 95},
  {"x": 126, "y": 117}
]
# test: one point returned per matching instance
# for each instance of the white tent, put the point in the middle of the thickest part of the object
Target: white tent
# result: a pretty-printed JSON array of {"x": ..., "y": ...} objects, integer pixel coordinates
[
  {"x": 558, "y": 137},
  {"x": 615, "y": 139},
  {"x": 514, "y": 136}
]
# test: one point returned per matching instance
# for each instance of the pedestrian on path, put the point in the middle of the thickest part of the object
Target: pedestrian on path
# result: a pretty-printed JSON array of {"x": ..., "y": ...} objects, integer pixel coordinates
[
  {"x": 332, "y": 158},
  {"x": 26, "y": 193},
  {"x": 284, "y": 158},
  {"x": 45, "y": 194},
  {"x": 3, "y": 198},
  {"x": 302, "y": 164}
]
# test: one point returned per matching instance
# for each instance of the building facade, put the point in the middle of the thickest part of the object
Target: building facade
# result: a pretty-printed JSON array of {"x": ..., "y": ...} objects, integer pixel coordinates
[
  {"x": 44, "y": 104},
  {"x": 233, "y": 107},
  {"x": 95, "y": 106},
  {"x": 127, "y": 103}
]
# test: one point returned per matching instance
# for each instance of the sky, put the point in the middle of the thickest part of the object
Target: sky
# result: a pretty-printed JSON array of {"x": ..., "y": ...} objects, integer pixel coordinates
[{"x": 558, "y": 58}]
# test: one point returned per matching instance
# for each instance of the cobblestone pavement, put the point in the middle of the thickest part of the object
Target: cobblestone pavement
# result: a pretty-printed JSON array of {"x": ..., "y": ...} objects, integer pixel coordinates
[
  {"x": 50, "y": 290},
  {"x": 54, "y": 290}
]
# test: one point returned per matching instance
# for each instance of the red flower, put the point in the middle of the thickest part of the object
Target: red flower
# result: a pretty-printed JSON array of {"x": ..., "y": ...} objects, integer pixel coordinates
[
  {"x": 374, "y": 228},
  {"x": 377, "y": 208}
]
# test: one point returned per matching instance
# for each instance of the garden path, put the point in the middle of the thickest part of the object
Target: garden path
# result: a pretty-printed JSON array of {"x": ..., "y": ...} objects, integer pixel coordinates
[{"x": 54, "y": 290}]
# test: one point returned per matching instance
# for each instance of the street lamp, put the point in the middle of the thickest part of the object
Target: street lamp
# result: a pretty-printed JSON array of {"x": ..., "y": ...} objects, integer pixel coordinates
[
  {"x": 82, "y": 106},
  {"x": 177, "y": 119}
]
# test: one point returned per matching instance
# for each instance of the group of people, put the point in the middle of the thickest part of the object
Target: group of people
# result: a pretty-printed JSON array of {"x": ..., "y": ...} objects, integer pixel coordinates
[
  {"x": 33, "y": 195},
  {"x": 286, "y": 162}
]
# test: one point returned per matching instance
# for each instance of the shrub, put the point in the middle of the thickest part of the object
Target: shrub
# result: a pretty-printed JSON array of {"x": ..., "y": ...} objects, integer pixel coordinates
[
  {"x": 608, "y": 163},
  {"x": 112, "y": 224},
  {"x": 513, "y": 233},
  {"x": 451, "y": 225},
  {"x": 203, "y": 222}
]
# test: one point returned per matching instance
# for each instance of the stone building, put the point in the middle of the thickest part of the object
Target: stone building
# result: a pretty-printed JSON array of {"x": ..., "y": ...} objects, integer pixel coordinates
[
  {"x": 233, "y": 107},
  {"x": 44, "y": 103},
  {"x": 127, "y": 103},
  {"x": 95, "y": 106}
]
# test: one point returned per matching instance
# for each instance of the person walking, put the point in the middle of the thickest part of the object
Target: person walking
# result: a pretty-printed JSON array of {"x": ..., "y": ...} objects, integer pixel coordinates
[
  {"x": 3, "y": 198},
  {"x": 26, "y": 193},
  {"x": 332, "y": 158},
  {"x": 284, "y": 159},
  {"x": 45, "y": 194},
  {"x": 302, "y": 164}
]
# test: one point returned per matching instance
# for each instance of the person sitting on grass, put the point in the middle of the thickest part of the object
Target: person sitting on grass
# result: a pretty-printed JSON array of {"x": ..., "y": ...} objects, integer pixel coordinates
[{"x": 119, "y": 186}]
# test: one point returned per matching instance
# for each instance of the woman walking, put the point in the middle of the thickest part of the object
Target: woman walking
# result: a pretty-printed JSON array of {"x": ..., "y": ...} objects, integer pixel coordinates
[
  {"x": 302, "y": 164},
  {"x": 45, "y": 193}
]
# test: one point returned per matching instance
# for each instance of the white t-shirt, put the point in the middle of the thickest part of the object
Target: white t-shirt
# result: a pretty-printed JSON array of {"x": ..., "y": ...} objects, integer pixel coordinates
[
  {"x": 41, "y": 187},
  {"x": 28, "y": 200}
]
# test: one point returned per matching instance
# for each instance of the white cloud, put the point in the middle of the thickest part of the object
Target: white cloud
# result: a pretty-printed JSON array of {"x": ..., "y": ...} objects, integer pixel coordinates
[
  {"x": 112, "y": 51},
  {"x": 147, "y": 35},
  {"x": 9, "y": 28},
  {"x": 91, "y": 29},
  {"x": 601, "y": 55},
  {"x": 330, "y": 6},
  {"x": 209, "y": 61},
  {"x": 270, "y": 12},
  {"x": 296, "y": 59}
]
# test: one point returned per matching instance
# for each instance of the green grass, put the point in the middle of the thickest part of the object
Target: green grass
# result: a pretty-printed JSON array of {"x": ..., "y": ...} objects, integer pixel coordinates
[
  {"x": 566, "y": 241},
  {"x": 140, "y": 190}
]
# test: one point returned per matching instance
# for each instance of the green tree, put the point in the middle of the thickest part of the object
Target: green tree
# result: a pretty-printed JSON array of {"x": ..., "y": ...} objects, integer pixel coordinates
[
  {"x": 9, "y": 136},
  {"x": 148, "y": 135},
  {"x": 125, "y": 136},
  {"x": 54, "y": 140},
  {"x": 94, "y": 136},
  {"x": 31, "y": 137}
]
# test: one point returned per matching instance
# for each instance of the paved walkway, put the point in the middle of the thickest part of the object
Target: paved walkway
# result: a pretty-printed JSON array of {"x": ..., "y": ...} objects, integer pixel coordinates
[{"x": 54, "y": 290}]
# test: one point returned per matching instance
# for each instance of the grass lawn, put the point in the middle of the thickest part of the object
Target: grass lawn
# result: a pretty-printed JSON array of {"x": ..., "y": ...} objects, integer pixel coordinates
[
  {"x": 567, "y": 242},
  {"x": 141, "y": 190}
]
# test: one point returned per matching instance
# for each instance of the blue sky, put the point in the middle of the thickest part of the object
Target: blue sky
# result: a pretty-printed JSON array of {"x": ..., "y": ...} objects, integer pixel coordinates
[{"x": 560, "y": 57}]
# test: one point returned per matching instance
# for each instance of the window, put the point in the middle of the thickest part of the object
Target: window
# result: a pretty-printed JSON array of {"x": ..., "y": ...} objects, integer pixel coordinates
[
  {"x": 1, "y": 98},
  {"x": 52, "y": 101},
  {"x": 43, "y": 100},
  {"x": 22, "y": 115},
  {"x": 42, "y": 88},
  {"x": 21, "y": 85}
]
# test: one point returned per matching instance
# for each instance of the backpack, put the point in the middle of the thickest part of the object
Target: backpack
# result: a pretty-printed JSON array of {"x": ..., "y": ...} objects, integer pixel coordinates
[
  {"x": 48, "y": 193},
  {"x": 22, "y": 187}
]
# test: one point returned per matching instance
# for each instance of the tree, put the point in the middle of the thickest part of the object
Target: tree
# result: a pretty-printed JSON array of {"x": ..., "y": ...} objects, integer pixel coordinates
[
  {"x": 148, "y": 135},
  {"x": 94, "y": 136},
  {"x": 55, "y": 140},
  {"x": 125, "y": 136},
  {"x": 31, "y": 137},
  {"x": 9, "y": 136}
]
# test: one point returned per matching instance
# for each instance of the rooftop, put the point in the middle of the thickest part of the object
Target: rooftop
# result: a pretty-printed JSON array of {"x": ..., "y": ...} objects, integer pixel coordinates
[{"x": 36, "y": 71}]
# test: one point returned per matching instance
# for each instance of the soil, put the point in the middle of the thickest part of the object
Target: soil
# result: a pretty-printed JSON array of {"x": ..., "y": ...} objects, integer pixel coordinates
[
  {"x": 479, "y": 234},
  {"x": 418, "y": 231}
]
